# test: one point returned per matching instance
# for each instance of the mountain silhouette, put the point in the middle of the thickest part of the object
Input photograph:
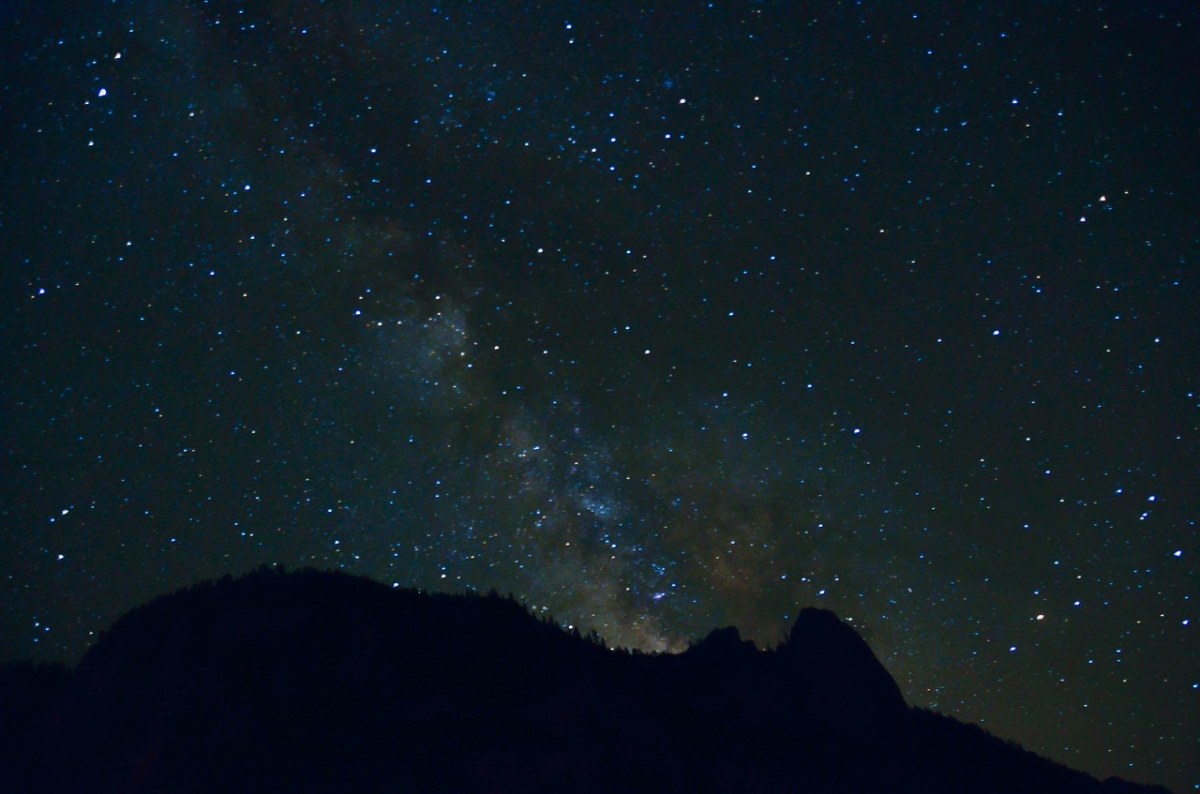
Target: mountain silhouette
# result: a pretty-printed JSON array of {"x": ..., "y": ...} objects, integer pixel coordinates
[{"x": 321, "y": 682}]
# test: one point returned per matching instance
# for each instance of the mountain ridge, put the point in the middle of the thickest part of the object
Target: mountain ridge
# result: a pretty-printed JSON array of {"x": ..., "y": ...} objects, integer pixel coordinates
[{"x": 322, "y": 681}]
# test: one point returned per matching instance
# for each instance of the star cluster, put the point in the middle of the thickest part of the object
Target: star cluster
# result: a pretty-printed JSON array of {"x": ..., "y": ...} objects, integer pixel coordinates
[{"x": 658, "y": 319}]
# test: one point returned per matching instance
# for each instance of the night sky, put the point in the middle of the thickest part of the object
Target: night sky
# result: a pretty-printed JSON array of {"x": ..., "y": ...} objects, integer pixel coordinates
[{"x": 659, "y": 320}]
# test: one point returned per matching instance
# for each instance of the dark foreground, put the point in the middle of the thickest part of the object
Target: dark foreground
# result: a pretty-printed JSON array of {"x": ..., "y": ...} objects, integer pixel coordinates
[{"x": 324, "y": 682}]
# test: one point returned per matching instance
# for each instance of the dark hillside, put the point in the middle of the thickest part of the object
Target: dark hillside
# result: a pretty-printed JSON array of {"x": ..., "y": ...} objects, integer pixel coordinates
[{"x": 317, "y": 681}]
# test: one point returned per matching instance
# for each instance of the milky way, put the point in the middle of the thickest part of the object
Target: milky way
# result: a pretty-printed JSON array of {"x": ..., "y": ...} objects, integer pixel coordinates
[{"x": 659, "y": 320}]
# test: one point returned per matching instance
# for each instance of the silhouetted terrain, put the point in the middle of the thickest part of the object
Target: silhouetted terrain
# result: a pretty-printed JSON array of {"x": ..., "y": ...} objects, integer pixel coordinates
[{"x": 317, "y": 681}]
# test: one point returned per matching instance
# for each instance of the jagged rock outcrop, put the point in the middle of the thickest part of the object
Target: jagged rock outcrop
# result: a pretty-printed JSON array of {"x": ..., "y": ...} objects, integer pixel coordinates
[{"x": 839, "y": 677}]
